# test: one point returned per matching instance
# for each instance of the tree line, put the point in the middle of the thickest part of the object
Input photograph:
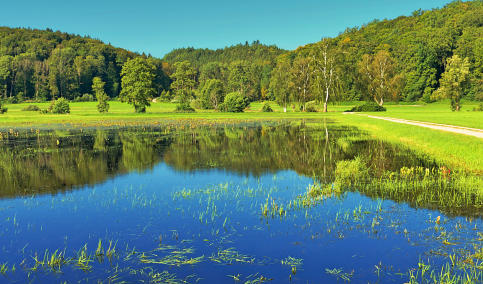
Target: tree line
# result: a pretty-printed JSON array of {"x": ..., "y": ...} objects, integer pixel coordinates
[
  {"x": 42, "y": 65},
  {"x": 423, "y": 57}
]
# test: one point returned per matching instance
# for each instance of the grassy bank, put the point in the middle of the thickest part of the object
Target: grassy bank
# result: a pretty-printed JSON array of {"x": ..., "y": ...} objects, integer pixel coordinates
[{"x": 454, "y": 150}]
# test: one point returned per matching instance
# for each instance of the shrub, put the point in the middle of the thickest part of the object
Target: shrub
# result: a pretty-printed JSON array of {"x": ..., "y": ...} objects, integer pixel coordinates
[
  {"x": 267, "y": 108},
  {"x": 103, "y": 106},
  {"x": 311, "y": 107},
  {"x": 184, "y": 107},
  {"x": 20, "y": 97},
  {"x": 139, "y": 108},
  {"x": 2, "y": 108},
  {"x": 59, "y": 106},
  {"x": 234, "y": 102},
  {"x": 31, "y": 108},
  {"x": 84, "y": 98},
  {"x": 11, "y": 100},
  {"x": 197, "y": 104},
  {"x": 368, "y": 107}
]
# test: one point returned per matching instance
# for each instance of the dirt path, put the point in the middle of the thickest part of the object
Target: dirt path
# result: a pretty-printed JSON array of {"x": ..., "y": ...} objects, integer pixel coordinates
[{"x": 444, "y": 127}]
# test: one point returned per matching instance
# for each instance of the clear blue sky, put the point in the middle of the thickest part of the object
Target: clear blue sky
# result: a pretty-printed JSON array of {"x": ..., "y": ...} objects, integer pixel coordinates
[{"x": 158, "y": 26}]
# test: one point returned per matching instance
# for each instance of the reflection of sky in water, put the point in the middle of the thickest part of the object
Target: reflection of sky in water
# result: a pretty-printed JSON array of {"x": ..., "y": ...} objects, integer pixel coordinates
[{"x": 135, "y": 209}]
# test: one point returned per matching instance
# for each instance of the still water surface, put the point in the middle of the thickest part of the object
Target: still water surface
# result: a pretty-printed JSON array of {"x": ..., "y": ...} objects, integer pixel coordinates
[{"x": 186, "y": 204}]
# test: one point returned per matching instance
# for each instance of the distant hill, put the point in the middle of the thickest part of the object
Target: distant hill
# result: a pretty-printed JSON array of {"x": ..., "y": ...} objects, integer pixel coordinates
[{"x": 254, "y": 52}]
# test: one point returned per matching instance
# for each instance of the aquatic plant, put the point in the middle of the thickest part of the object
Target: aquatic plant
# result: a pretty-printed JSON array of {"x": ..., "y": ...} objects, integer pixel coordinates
[
  {"x": 272, "y": 209},
  {"x": 229, "y": 256},
  {"x": 340, "y": 274}
]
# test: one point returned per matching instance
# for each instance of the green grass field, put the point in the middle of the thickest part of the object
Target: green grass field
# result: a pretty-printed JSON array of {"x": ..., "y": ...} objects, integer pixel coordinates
[
  {"x": 437, "y": 113},
  {"x": 456, "y": 150}
]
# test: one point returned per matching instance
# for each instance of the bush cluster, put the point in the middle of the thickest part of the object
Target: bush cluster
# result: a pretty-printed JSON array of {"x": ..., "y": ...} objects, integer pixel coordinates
[
  {"x": 84, "y": 98},
  {"x": 2, "y": 108},
  {"x": 368, "y": 107},
  {"x": 311, "y": 107},
  {"x": 234, "y": 102},
  {"x": 60, "y": 106}
]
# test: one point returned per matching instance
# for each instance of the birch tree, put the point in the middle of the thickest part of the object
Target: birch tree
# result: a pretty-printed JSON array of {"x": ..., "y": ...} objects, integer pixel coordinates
[
  {"x": 301, "y": 77},
  {"x": 324, "y": 70},
  {"x": 377, "y": 76}
]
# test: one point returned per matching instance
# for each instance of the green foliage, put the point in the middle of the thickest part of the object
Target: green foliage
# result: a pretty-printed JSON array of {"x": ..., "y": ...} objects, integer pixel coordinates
[
  {"x": 350, "y": 172},
  {"x": 211, "y": 94},
  {"x": 184, "y": 107},
  {"x": 41, "y": 64},
  {"x": 165, "y": 96},
  {"x": 183, "y": 85},
  {"x": 2, "y": 108},
  {"x": 31, "y": 108},
  {"x": 266, "y": 107},
  {"x": 368, "y": 107},
  {"x": 199, "y": 58},
  {"x": 418, "y": 46},
  {"x": 454, "y": 81},
  {"x": 59, "y": 106},
  {"x": 378, "y": 80},
  {"x": 301, "y": 76},
  {"x": 311, "y": 106},
  {"x": 234, "y": 102},
  {"x": 280, "y": 81},
  {"x": 244, "y": 68},
  {"x": 98, "y": 88},
  {"x": 138, "y": 86},
  {"x": 84, "y": 98}
]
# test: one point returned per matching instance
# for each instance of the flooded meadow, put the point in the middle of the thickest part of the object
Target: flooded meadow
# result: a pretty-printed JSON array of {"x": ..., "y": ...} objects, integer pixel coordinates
[{"x": 252, "y": 202}]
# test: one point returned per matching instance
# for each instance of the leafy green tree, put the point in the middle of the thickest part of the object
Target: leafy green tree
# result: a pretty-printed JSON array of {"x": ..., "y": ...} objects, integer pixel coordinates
[
  {"x": 280, "y": 81},
  {"x": 211, "y": 94},
  {"x": 301, "y": 79},
  {"x": 137, "y": 83},
  {"x": 2, "y": 108},
  {"x": 454, "y": 81},
  {"x": 238, "y": 79},
  {"x": 98, "y": 88},
  {"x": 62, "y": 81},
  {"x": 213, "y": 70},
  {"x": 59, "y": 106},
  {"x": 5, "y": 71},
  {"x": 234, "y": 102},
  {"x": 41, "y": 80},
  {"x": 324, "y": 70},
  {"x": 184, "y": 84},
  {"x": 378, "y": 77},
  {"x": 421, "y": 80}
]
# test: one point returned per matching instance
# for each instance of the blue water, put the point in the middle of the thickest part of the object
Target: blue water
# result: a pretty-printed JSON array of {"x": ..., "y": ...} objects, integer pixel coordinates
[{"x": 155, "y": 213}]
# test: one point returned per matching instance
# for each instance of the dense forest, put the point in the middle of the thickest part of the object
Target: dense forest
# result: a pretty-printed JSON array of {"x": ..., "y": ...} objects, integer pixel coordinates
[
  {"x": 416, "y": 50},
  {"x": 42, "y": 64},
  {"x": 423, "y": 57}
]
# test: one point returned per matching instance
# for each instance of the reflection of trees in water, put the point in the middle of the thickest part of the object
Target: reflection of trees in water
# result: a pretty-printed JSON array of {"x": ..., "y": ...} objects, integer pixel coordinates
[
  {"x": 60, "y": 160},
  {"x": 309, "y": 150}
]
